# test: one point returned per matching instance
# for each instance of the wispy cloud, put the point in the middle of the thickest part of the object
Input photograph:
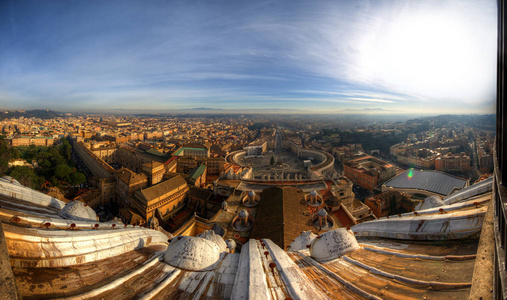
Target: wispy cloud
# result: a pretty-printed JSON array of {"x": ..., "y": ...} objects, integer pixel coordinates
[
  {"x": 359, "y": 96},
  {"x": 372, "y": 100},
  {"x": 317, "y": 55}
]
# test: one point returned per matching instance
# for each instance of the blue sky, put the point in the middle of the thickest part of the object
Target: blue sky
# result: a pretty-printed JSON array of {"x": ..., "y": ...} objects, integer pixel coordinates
[{"x": 315, "y": 56}]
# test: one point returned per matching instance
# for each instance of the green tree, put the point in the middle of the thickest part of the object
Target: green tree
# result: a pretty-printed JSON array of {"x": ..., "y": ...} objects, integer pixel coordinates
[
  {"x": 46, "y": 164},
  {"x": 66, "y": 150},
  {"x": 272, "y": 162},
  {"x": 14, "y": 153},
  {"x": 62, "y": 171},
  {"x": 77, "y": 178},
  {"x": 26, "y": 176},
  {"x": 4, "y": 157},
  {"x": 54, "y": 181},
  {"x": 57, "y": 157}
]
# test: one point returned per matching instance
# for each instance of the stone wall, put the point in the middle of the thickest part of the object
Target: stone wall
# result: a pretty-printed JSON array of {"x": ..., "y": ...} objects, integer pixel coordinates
[{"x": 8, "y": 288}]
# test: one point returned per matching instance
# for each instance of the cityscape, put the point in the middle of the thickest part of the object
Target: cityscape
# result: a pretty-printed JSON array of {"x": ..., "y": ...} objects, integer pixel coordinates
[
  {"x": 227, "y": 179},
  {"x": 264, "y": 150}
]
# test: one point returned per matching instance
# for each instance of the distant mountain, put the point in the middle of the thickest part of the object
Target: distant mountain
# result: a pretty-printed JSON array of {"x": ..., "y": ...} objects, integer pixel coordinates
[
  {"x": 370, "y": 110},
  {"x": 202, "y": 108},
  {"x": 36, "y": 113},
  {"x": 199, "y": 111}
]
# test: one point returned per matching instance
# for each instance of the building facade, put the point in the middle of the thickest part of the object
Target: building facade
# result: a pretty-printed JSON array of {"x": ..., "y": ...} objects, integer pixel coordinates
[
  {"x": 165, "y": 196},
  {"x": 453, "y": 163},
  {"x": 368, "y": 171},
  {"x": 25, "y": 141}
]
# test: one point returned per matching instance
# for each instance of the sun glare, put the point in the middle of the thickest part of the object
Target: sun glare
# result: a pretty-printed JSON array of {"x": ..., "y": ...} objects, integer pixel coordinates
[
  {"x": 410, "y": 173},
  {"x": 426, "y": 53}
]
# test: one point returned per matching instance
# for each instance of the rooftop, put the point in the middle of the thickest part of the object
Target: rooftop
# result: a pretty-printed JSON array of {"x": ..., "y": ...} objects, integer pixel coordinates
[
  {"x": 182, "y": 149},
  {"x": 130, "y": 177},
  {"x": 282, "y": 214},
  {"x": 127, "y": 262},
  {"x": 161, "y": 189},
  {"x": 431, "y": 181}
]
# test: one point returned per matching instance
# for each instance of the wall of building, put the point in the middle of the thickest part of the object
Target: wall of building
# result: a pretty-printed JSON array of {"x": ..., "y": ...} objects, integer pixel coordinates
[
  {"x": 97, "y": 166},
  {"x": 37, "y": 141}
]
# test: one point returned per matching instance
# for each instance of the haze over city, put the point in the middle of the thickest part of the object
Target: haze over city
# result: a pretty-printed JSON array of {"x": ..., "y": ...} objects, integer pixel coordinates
[
  {"x": 281, "y": 149},
  {"x": 402, "y": 57}
]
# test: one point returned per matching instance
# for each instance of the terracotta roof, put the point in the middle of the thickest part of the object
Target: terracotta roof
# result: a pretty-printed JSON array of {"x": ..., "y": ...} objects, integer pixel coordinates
[
  {"x": 281, "y": 215},
  {"x": 170, "y": 160},
  {"x": 157, "y": 153},
  {"x": 161, "y": 189},
  {"x": 128, "y": 176},
  {"x": 152, "y": 164},
  {"x": 130, "y": 216},
  {"x": 199, "y": 193}
]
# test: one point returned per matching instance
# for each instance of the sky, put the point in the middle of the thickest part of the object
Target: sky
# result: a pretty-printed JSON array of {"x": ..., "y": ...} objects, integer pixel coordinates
[{"x": 317, "y": 56}]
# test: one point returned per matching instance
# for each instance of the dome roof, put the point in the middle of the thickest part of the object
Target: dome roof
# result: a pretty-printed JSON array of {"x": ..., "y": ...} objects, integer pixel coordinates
[
  {"x": 224, "y": 205},
  {"x": 77, "y": 210},
  {"x": 251, "y": 193},
  {"x": 231, "y": 244},
  {"x": 212, "y": 236},
  {"x": 243, "y": 214},
  {"x": 322, "y": 213},
  {"x": 313, "y": 193},
  {"x": 192, "y": 253},
  {"x": 333, "y": 244},
  {"x": 301, "y": 241}
]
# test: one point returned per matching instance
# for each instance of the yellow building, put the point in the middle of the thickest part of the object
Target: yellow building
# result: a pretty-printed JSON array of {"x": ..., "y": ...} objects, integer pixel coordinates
[
  {"x": 166, "y": 196},
  {"x": 154, "y": 170},
  {"x": 25, "y": 141},
  {"x": 127, "y": 182}
]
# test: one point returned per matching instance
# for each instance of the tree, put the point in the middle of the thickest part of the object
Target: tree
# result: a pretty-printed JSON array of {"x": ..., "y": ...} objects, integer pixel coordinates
[
  {"x": 66, "y": 150},
  {"x": 26, "y": 176},
  {"x": 57, "y": 157},
  {"x": 77, "y": 178},
  {"x": 272, "y": 162},
  {"x": 62, "y": 171},
  {"x": 15, "y": 153},
  {"x": 4, "y": 157}
]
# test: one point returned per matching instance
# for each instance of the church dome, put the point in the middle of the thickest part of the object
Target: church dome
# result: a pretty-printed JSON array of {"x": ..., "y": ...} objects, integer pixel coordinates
[
  {"x": 231, "y": 244},
  {"x": 251, "y": 194},
  {"x": 77, "y": 210},
  {"x": 333, "y": 244},
  {"x": 322, "y": 213},
  {"x": 192, "y": 253},
  {"x": 313, "y": 193},
  {"x": 300, "y": 242},
  {"x": 243, "y": 214},
  {"x": 212, "y": 236}
]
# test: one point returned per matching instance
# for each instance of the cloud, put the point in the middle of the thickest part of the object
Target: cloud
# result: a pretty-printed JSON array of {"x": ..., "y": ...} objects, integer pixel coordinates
[
  {"x": 426, "y": 50},
  {"x": 372, "y": 100},
  {"x": 236, "y": 54},
  {"x": 363, "y": 96}
]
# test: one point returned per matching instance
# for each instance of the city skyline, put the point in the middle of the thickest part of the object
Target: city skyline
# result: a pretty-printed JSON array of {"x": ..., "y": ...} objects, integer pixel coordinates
[{"x": 397, "y": 57}]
